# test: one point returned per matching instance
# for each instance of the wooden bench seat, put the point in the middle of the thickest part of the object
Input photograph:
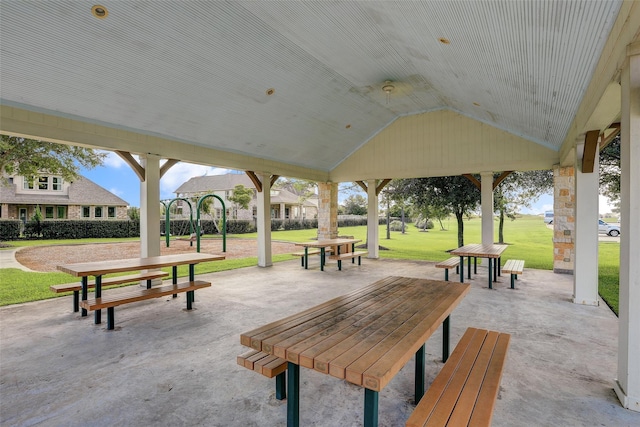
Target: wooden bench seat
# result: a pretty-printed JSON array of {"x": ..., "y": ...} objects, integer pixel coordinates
[
  {"x": 114, "y": 299},
  {"x": 268, "y": 365},
  {"x": 314, "y": 251},
  {"x": 108, "y": 281},
  {"x": 447, "y": 264},
  {"x": 466, "y": 389},
  {"x": 513, "y": 267},
  {"x": 348, "y": 255}
]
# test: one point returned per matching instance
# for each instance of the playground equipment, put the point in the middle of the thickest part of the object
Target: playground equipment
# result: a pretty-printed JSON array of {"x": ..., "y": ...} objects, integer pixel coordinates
[{"x": 198, "y": 223}]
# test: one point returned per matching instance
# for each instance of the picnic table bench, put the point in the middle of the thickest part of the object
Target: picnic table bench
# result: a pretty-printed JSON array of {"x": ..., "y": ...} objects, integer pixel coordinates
[
  {"x": 268, "y": 365},
  {"x": 110, "y": 281},
  {"x": 513, "y": 267},
  {"x": 447, "y": 264},
  {"x": 465, "y": 391}
]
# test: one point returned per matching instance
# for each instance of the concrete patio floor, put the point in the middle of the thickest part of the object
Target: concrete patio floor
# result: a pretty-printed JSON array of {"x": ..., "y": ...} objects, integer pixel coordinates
[{"x": 166, "y": 366}]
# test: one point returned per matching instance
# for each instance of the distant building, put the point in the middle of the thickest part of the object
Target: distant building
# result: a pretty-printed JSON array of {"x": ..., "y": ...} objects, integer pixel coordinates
[
  {"x": 58, "y": 199},
  {"x": 284, "y": 203}
]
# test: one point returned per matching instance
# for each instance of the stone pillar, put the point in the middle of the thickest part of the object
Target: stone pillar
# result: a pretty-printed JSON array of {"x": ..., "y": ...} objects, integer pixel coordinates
[
  {"x": 282, "y": 211},
  {"x": 327, "y": 210},
  {"x": 264, "y": 221},
  {"x": 486, "y": 199},
  {"x": 373, "y": 230},
  {"x": 585, "y": 273},
  {"x": 563, "y": 219},
  {"x": 150, "y": 206},
  {"x": 627, "y": 384}
]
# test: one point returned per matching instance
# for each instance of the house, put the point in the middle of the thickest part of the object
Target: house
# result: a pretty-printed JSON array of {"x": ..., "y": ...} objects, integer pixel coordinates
[
  {"x": 284, "y": 203},
  {"x": 58, "y": 199}
]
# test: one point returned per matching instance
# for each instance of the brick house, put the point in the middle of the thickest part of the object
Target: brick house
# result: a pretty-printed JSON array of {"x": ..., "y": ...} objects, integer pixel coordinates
[
  {"x": 58, "y": 199},
  {"x": 284, "y": 203}
]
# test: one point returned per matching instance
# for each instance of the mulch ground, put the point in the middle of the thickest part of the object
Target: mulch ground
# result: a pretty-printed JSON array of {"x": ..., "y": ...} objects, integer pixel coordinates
[{"x": 46, "y": 258}]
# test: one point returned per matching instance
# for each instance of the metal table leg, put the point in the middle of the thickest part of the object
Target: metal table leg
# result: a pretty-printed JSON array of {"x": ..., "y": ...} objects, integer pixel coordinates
[
  {"x": 370, "y": 408},
  {"x": 293, "y": 400},
  {"x": 445, "y": 339},
  {"x": 419, "y": 376}
]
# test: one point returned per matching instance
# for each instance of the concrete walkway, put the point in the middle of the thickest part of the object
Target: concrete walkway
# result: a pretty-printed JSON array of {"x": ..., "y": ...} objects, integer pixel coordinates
[
  {"x": 164, "y": 366},
  {"x": 8, "y": 259}
]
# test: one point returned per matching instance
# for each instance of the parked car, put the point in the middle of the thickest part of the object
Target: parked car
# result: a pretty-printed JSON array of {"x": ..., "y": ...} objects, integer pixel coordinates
[
  {"x": 548, "y": 217},
  {"x": 606, "y": 228}
]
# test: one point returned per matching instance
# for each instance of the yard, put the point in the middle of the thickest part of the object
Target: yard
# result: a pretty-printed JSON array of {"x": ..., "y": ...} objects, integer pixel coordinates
[{"x": 528, "y": 238}]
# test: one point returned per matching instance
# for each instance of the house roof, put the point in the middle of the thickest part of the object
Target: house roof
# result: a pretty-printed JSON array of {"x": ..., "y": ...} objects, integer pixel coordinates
[
  {"x": 295, "y": 88},
  {"x": 203, "y": 184},
  {"x": 82, "y": 191}
]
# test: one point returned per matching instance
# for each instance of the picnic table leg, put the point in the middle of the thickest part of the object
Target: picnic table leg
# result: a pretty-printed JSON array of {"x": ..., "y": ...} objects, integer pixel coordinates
[
  {"x": 97, "y": 318},
  {"x": 322, "y": 255},
  {"x": 370, "y": 408},
  {"x": 469, "y": 267},
  {"x": 191, "y": 294},
  {"x": 445, "y": 339},
  {"x": 475, "y": 265},
  {"x": 306, "y": 258},
  {"x": 353, "y": 249},
  {"x": 174, "y": 278},
  {"x": 281, "y": 386},
  {"x": 490, "y": 274},
  {"x": 85, "y": 286},
  {"x": 461, "y": 269},
  {"x": 293, "y": 400},
  {"x": 419, "y": 376},
  {"x": 499, "y": 264}
]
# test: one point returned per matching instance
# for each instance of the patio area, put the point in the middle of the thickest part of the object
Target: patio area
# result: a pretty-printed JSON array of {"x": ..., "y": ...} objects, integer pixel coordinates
[{"x": 163, "y": 365}]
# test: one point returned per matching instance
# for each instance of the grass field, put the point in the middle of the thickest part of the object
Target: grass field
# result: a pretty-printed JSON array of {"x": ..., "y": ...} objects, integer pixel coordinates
[{"x": 528, "y": 238}]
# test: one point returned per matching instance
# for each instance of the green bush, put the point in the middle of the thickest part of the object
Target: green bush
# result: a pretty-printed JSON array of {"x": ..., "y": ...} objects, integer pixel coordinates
[
  {"x": 397, "y": 226},
  {"x": 420, "y": 224},
  {"x": 10, "y": 229},
  {"x": 240, "y": 226}
]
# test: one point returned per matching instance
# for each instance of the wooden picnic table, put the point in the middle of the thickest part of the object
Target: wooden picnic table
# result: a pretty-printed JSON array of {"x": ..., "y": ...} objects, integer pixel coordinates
[
  {"x": 493, "y": 253},
  {"x": 100, "y": 268},
  {"x": 364, "y": 337},
  {"x": 323, "y": 244}
]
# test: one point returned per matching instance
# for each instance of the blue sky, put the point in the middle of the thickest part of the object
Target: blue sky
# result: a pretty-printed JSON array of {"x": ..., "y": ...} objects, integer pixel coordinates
[{"x": 117, "y": 177}]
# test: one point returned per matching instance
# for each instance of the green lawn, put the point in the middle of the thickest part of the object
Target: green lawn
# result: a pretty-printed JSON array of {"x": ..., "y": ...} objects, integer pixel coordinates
[{"x": 528, "y": 238}]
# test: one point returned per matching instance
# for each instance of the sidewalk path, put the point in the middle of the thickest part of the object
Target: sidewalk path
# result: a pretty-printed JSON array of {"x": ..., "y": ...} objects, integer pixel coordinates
[{"x": 8, "y": 260}]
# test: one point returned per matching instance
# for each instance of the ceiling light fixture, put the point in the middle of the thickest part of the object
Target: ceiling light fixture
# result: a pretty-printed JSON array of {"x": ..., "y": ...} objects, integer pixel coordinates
[
  {"x": 99, "y": 11},
  {"x": 388, "y": 88}
]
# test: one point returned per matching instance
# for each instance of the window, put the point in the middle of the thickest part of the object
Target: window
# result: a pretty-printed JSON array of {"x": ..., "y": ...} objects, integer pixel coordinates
[
  {"x": 56, "y": 183},
  {"x": 28, "y": 183},
  {"x": 227, "y": 193},
  {"x": 48, "y": 212},
  {"x": 97, "y": 212},
  {"x": 111, "y": 211},
  {"x": 86, "y": 212},
  {"x": 218, "y": 213},
  {"x": 254, "y": 211},
  {"x": 43, "y": 183},
  {"x": 62, "y": 212}
]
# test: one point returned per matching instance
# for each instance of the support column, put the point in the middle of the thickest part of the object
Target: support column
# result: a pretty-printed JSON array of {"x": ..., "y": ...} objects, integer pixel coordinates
[
  {"x": 486, "y": 198},
  {"x": 373, "y": 230},
  {"x": 327, "y": 210},
  {"x": 563, "y": 219},
  {"x": 627, "y": 385},
  {"x": 264, "y": 221},
  {"x": 150, "y": 206},
  {"x": 282, "y": 211},
  {"x": 585, "y": 274}
]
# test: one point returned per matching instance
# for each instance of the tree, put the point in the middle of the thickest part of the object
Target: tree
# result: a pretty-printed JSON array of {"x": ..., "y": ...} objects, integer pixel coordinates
[
  {"x": 30, "y": 158},
  {"x": 133, "y": 213},
  {"x": 241, "y": 196},
  {"x": 355, "y": 204},
  {"x": 610, "y": 171},
  {"x": 454, "y": 193},
  {"x": 519, "y": 189}
]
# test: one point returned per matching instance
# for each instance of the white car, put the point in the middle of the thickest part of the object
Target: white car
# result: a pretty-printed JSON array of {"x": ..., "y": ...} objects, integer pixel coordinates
[{"x": 606, "y": 228}]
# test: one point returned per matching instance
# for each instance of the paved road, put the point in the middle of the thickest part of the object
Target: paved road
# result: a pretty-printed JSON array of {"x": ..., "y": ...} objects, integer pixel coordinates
[{"x": 601, "y": 237}]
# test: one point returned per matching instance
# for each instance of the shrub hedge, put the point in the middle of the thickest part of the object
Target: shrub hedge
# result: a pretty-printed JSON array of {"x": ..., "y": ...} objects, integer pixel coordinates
[{"x": 10, "y": 229}]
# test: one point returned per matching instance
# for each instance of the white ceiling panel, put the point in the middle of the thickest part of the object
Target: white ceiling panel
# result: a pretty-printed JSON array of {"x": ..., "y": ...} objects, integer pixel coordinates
[{"x": 198, "y": 71}]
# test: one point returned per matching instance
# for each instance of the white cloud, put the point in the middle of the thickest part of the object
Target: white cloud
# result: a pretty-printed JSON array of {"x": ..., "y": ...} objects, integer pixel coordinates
[
  {"x": 113, "y": 160},
  {"x": 116, "y": 191},
  {"x": 181, "y": 173}
]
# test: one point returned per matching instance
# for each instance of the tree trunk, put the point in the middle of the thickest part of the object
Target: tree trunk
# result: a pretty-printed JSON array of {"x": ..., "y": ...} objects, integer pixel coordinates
[
  {"x": 459, "y": 217},
  {"x": 403, "y": 218},
  {"x": 388, "y": 220}
]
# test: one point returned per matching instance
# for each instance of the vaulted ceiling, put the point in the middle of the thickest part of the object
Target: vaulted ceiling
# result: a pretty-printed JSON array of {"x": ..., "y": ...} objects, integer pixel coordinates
[{"x": 301, "y": 83}]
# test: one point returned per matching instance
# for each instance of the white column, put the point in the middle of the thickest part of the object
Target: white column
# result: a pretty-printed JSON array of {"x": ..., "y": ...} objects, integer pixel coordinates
[
  {"x": 627, "y": 385},
  {"x": 150, "y": 207},
  {"x": 373, "y": 229},
  {"x": 486, "y": 200},
  {"x": 282, "y": 211},
  {"x": 264, "y": 222},
  {"x": 585, "y": 274}
]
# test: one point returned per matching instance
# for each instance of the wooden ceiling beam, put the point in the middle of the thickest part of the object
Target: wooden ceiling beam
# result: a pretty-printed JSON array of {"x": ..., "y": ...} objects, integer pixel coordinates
[{"x": 590, "y": 150}]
